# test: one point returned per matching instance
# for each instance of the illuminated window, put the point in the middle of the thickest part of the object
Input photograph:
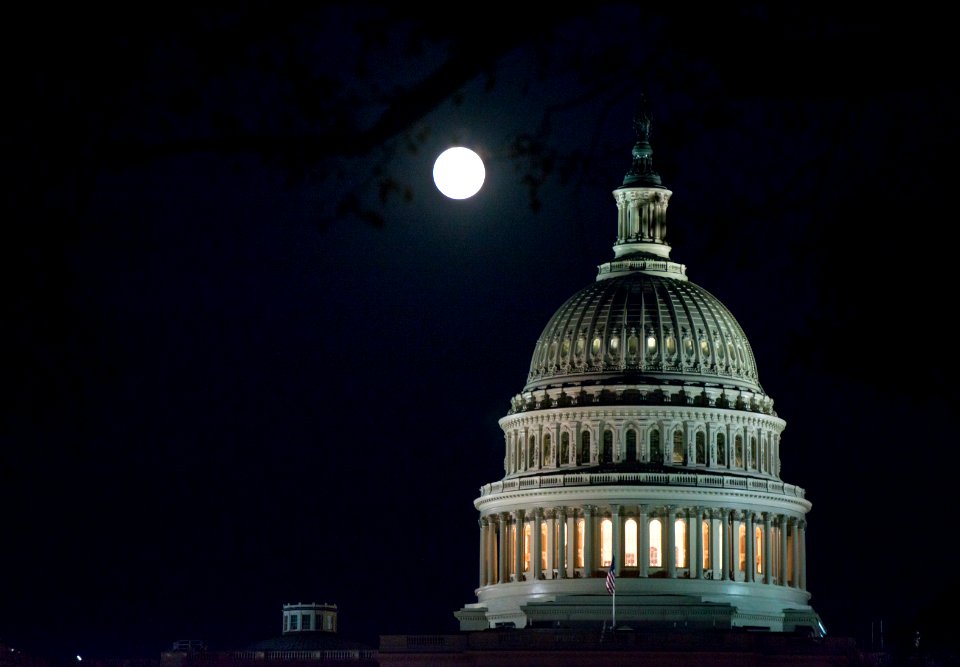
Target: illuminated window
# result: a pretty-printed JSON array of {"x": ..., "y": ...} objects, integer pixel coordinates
[
  {"x": 564, "y": 447},
  {"x": 606, "y": 542},
  {"x": 705, "y": 541},
  {"x": 585, "y": 447},
  {"x": 671, "y": 345},
  {"x": 608, "y": 446},
  {"x": 565, "y": 350},
  {"x": 679, "y": 455},
  {"x": 547, "y": 448},
  {"x": 631, "y": 445},
  {"x": 630, "y": 543},
  {"x": 721, "y": 449},
  {"x": 758, "y": 549},
  {"x": 704, "y": 348},
  {"x": 595, "y": 347},
  {"x": 656, "y": 454},
  {"x": 578, "y": 350},
  {"x": 633, "y": 346},
  {"x": 614, "y": 345},
  {"x": 742, "y": 534},
  {"x": 526, "y": 546},
  {"x": 680, "y": 541},
  {"x": 543, "y": 545},
  {"x": 581, "y": 525},
  {"x": 718, "y": 346},
  {"x": 688, "y": 346},
  {"x": 651, "y": 345},
  {"x": 738, "y": 451},
  {"x": 656, "y": 543},
  {"x": 701, "y": 448}
]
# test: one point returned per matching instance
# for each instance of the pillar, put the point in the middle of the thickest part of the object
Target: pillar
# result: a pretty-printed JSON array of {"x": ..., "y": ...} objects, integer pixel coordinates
[
  {"x": 795, "y": 527},
  {"x": 518, "y": 559},
  {"x": 751, "y": 573},
  {"x": 551, "y": 543},
  {"x": 671, "y": 536},
  {"x": 767, "y": 546},
  {"x": 504, "y": 545},
  {"x": 643, "y": 521},
  {"x": 483, "y": 551},
  {"x": 696, "y": 540},
  {"x": 561, "y": 513},
  {"x": 571, "y": 521},
  {"x": 803, "y": 555},
  {"x": 783, "y": 549},
  {"x": 588, "y": 541},
  {"x": 536, "y": 547},
  {"x": 617, "y": 539},
  {"x": 733, "y": 545}
]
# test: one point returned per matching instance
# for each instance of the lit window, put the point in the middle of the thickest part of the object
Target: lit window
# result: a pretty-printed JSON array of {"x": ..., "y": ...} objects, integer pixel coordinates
[
  {"x": 656, "y": 543},
  {"x": 526, "y": 546},
  {"x": 680, "y": 541},
  {"x": 705, "y": 541},
  {"x": 578, "y": 350},
  {"x": 758, "y": 549},
  {"x": 565, "y": 350},
  {"x": 606, "y": 542},
  {"x": 630, "y": 543},
  {"x": 614, "y": 345},
  {"x": 632, "y": 346},
  {"x": 543, "y": 545},
  {"x": 595, "y": 346},
  {"x": 581, "y": 524},
  {"x": 679, "y": 455},
  {"x": 651, "y": 344},
  {"x": 688, "y": 346},
  {"x": 671, "y": 345},
  {"x": 704, "y": 348}
]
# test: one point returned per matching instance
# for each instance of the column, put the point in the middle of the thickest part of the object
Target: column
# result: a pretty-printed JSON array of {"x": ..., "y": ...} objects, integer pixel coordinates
[
  {"x": 643, "y": 526},
  {"x": 551, "y": 543},
  {"x": 588, "y": 541},
  {"x": 751, "y": 573},
  {"x": 504, "y": 545},
  {"x": 492, "y": 560},
  {"x": 561, "y": 513},
  {"x": 733, "y": 545},
  {"x": 671, "y": 535},
  {"x": 483, "y": 551},
  {"x": 795, "y": 527},
  {"x": 518, "y": 552},
  {"x": 767, "y": 545},
  {"x": 617, "y": 539},
  {"x": 536, "y": 564},
  {"x": 696, "y": 542},
  {"x": 571, "y": 521},
  {"x": 803, "y": 555},
  {"x": 783, "y": 549}
]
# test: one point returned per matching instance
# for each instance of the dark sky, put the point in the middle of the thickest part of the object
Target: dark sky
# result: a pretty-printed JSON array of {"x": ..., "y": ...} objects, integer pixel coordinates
[{"x": 253, "y": 357}]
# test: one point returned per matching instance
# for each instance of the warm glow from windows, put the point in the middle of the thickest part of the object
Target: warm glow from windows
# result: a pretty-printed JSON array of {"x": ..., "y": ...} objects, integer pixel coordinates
[
  {"x": 543, "y": 545},
  {"x": 606, "y": 542},
  {"x": 580, "y": 528},
  {"x": 630, "y": 543},
  {"x": 742, "y": 565},
  {"x": 680, "y": 541},
  {"x": 656, "y": 543},
  {"x": 705, "y": 541},
  {"x": 526, "y": 547},
  {"x": 758, "y": 549}
]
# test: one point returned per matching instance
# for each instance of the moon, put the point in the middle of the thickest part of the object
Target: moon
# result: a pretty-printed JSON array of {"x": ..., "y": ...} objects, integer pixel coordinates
[{"x": 458, "y": 173}]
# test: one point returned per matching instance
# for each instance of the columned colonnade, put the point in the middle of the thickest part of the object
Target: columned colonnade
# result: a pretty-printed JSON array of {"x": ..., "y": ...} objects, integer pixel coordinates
[{"x": 575, "y": 544}]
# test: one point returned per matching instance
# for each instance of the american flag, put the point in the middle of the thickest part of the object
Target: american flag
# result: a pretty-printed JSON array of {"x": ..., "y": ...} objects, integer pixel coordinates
[{"x": 611, "y": 578}]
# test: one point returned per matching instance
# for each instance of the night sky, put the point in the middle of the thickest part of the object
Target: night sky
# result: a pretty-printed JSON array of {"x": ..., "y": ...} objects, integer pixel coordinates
[{"x": 252, "y": 356}]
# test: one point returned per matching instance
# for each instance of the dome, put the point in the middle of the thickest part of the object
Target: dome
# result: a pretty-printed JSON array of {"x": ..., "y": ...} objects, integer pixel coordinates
[{"x": 641, "y": 327}]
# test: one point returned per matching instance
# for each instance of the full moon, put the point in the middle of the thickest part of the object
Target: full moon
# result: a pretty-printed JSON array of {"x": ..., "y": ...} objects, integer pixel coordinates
[{"x": 458, "y": 173}]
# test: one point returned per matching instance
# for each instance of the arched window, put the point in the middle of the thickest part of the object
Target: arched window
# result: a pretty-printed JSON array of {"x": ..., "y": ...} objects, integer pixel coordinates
[
  {"x": 608, "y": 446},
  {"x": 606, "y": 542},
  {"x": 631, "y": 445},
  {"x": 656, "y": 543},
  {"x": 679, "y": 454},
  {"x": 581, "y": 525},
  {"x": 547, "y": 453},
  {"x": 564, "y": 448},
  {"x": 738, "y": 451},
  {"x": 680, "y": 542},
  {"x": 531, "y": 451},
  {"x": 585, "y": 447},
  {"x": 763, "y": 455},
  {"x": 656, "y": 454},
  {"x": 721, "y": 449},
  {"x": 755, "y": 459},
  {"x": 701, "y": 448},
  {"x": 630, "y": 543}
]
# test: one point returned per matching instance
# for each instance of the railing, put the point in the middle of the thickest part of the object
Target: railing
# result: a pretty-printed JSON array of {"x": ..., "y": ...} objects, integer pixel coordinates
[{"x": 639, "y": 478}]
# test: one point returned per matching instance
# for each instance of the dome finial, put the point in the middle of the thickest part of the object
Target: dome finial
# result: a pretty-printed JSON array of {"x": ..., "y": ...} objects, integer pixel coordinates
[{"x": 641, "y": 171}]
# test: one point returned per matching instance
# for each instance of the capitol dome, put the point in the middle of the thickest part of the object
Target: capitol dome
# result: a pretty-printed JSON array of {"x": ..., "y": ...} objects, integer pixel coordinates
[{"x": 642, "y": 458}]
